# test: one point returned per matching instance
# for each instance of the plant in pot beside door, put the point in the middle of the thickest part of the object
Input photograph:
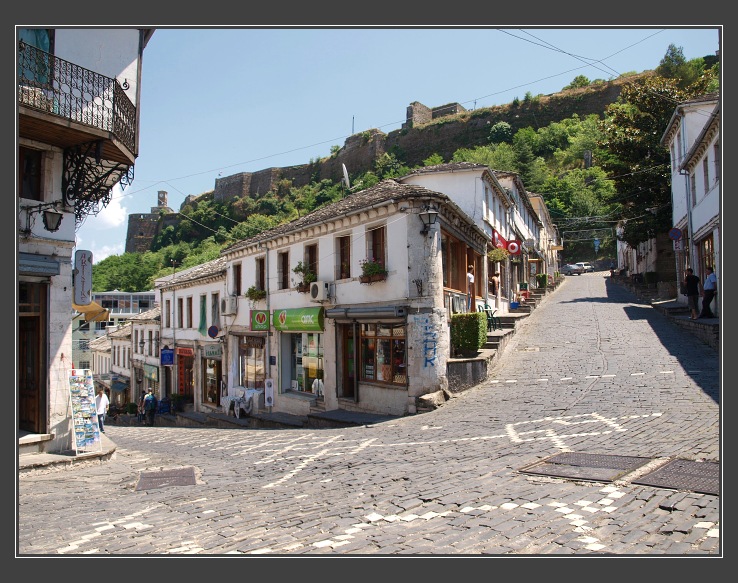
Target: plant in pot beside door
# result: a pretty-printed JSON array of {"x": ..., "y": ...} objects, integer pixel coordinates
[
  {"x": 372, "y": 270},
  {"x": 306, "y": 277}
]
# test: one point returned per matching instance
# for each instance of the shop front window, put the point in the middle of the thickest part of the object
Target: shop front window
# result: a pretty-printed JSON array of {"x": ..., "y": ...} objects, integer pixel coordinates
[
  {"x": 251, "y": 362},
  {"x": 210, "y": 381},
  {"x": 383, "y": 355},
  {"x": 306, "y": 350}
]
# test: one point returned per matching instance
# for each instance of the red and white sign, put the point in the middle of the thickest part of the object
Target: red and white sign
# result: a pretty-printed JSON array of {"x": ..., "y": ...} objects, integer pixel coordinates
[
  {"x": 500, "y": 241},
  {"x": 513, "y": 247}
]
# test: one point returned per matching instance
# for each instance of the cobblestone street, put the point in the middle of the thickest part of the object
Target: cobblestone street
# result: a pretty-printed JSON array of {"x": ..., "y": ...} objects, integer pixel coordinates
[{"x": 592, "y": 370}]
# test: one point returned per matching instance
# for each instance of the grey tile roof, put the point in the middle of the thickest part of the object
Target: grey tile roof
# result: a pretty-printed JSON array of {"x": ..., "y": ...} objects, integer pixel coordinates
[
  {"x": 450, "y": 167},
  {"x": 100, "y": 343},
  {"x": 207, "y": 269},
  {"x": 124, "y": 331},
  {"x": 384, "y": 192},
  {"x": 153, "y": 314}
]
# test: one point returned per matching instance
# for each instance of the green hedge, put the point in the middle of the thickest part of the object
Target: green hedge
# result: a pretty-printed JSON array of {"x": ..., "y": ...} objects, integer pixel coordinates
[{"x": 468, "y": 332}]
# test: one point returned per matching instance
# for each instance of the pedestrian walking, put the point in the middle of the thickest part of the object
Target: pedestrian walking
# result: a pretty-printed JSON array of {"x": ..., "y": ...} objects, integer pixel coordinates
[
  {"x": 150, "y": 404},
  {"x": 470, "y": 287},
  {"x": 141, "y": 412},
  {"x": 692, "y": 288},
  {"x": 709, "y": 289},
  {"x": 102, "y": 404}
]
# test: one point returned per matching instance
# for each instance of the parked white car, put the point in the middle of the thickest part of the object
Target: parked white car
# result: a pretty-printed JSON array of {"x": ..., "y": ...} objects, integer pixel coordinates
[
  {"x": 586, "y": 267},
  {"x": 572, "y": 269}
]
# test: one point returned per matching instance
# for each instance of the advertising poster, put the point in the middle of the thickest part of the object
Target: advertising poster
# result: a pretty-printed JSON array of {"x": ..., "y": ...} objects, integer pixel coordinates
[{"x": 86, "y": 431}]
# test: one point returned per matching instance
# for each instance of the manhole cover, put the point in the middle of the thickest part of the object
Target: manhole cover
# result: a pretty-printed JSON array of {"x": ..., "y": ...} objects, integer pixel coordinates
[
  {"x": 163, "y": 478},
  {"x": 701, "y": 477},
  {"x": 584, "y": 466}
]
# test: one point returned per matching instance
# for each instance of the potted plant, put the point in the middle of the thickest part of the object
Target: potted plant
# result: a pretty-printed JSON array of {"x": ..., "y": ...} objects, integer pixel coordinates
[
  {"x": 254, "y": 294},
  {"x": 498, "y": 254},
  {"x": 372, "y": 270},
  {"x": 307, "y": 276}
]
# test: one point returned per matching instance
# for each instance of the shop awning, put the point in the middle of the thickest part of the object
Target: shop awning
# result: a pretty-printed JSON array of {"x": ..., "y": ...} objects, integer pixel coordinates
[
  {"x": 119, "y": 386},
  {"x": 93, "y": 312}
]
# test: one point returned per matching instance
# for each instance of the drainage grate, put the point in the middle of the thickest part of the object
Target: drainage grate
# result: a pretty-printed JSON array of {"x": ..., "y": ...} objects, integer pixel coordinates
[
  {"x": 586, "y": 466},
  {"x": 163, "y": 478},
  {"x": 701, "y": 477}
]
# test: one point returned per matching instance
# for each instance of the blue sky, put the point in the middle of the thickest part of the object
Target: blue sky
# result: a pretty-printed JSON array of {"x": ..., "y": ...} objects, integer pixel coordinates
[{"x": 219, "y": 101}]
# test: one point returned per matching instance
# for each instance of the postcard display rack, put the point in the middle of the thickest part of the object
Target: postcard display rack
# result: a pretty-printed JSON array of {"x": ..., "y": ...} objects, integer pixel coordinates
[{"x": 84, "y": 414}]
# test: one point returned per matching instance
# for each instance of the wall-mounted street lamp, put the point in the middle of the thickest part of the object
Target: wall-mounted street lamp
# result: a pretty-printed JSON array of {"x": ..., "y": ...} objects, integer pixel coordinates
[
  {"x": 428, "y": 215},
  {"x": 52, "y": 218}
]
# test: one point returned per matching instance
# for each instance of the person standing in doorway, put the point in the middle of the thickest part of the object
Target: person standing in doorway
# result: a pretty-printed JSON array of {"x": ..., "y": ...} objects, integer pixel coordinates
[
  {"x": 494, "y": 286},
  {"x": 692, "y": 286},
  {"x": 150, "y": 407},
  {"x": 102, "y": 404},
  {"x": 470, "y": 287},
  {"x": 709, "y": 289}
]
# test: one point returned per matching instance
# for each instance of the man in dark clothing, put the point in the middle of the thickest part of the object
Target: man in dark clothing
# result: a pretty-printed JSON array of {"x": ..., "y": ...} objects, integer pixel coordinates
[
  {"x": 150, "y": 407},
  {"x": 692, "y": 286}
]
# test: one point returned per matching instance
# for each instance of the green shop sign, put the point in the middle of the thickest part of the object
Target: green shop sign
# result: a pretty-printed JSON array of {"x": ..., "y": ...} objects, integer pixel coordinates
[
  {"x": 298, "y": 319},
  {"x": 259, "y": 320}
]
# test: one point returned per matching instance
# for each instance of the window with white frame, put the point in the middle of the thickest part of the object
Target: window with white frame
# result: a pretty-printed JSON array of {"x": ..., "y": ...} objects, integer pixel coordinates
[
  {"x": 705, "y": 174},
  {"x": 693, "y": 188},
  {"x": 376, "y": 244},
  {"x": 215, "y": 308},
  {"x": 311, "y": 258},
  {"x": 716, "y": 154},
  {"x": 260, "y": 275},
  {"x": 283, "y": 270},
  {"x": 237, "y": 279},
  {"x": 343, "y": 257}
]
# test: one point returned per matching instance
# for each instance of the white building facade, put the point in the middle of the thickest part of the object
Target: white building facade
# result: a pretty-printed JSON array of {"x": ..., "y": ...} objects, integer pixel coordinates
[
  {"x": 74, "y": 146},
  {"x": 693, "y": 140}
]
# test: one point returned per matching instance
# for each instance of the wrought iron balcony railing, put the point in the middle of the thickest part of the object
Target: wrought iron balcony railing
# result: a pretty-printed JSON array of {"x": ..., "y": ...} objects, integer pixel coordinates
[{"x": 52, "y": 85}]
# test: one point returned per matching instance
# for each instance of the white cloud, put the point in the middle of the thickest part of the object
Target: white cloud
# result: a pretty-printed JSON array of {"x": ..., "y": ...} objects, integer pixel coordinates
[
  {"x": 104, "y": 234},
  {"x": 113, "y": 215}
]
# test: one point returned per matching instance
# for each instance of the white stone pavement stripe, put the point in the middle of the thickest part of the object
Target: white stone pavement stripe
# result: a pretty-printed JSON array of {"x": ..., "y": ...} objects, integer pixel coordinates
[
  {"x": 591, "y": 376},
  {"x": 579, "y": 523}
]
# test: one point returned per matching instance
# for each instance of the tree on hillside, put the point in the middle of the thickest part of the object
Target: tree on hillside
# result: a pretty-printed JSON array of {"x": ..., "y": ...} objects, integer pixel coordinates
[
  {"x": 501, "y": 132},
  {"x": 632, "y": 154},
  {"x": 577, "y": 82},
  {"x": 497, "y": 156},
  {"x": 674, "y": 66}
]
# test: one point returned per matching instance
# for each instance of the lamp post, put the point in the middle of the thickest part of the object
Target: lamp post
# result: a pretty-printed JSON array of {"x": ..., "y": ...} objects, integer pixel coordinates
[{"x": 428, "y": 216}]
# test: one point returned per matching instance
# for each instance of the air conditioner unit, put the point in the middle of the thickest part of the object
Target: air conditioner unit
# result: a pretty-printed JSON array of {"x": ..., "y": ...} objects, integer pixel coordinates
[
  {"x": 229, "y": 305},
  {"x": 319, "y": 291}
]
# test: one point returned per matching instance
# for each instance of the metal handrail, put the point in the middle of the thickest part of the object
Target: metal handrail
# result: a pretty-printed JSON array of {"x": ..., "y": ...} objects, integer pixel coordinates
[{"x": 53, "y": 85}]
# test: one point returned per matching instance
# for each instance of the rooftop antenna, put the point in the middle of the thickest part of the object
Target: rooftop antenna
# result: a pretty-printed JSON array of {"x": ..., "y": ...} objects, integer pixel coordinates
[{"x": 345, "y": 177}]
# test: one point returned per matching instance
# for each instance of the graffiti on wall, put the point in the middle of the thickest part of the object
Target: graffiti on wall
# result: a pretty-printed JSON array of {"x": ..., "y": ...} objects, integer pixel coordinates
[{"x": 430, "y": 342}]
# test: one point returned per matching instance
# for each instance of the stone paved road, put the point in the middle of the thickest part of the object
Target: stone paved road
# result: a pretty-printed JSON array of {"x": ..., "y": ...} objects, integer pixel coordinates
[{"x": 592, "y": 370}]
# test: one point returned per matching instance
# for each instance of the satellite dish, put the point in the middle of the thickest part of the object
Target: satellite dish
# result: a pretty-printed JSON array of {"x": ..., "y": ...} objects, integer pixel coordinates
[{"x": 345, "y": 177}]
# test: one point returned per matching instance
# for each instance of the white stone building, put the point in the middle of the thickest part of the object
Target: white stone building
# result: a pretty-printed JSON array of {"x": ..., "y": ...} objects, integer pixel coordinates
[
  {"x": 73, "y": 147},
  {"x": 693, "y": 139}
]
